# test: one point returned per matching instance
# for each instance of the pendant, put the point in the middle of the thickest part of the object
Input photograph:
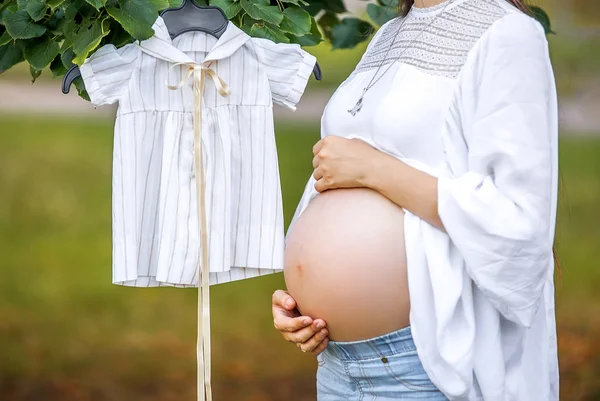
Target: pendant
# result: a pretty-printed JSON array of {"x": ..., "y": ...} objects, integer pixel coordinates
[{"x": 356, "y": 107}]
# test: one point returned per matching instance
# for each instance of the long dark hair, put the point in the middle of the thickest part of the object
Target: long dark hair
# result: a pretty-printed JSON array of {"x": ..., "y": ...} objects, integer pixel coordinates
[{"x": 405, "y": 5}]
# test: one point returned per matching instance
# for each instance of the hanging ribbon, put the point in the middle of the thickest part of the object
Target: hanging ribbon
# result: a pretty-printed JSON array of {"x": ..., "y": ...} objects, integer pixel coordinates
[{"x": 199, "y": 72}]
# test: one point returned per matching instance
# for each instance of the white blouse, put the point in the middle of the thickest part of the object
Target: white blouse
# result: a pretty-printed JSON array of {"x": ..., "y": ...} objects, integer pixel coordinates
[
  {"x": 155, "y": 224},
  {"x": 470, "y": 98}
]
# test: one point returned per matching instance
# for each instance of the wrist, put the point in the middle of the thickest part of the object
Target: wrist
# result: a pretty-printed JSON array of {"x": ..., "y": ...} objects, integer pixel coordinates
[{"x": 375, "y": 167}]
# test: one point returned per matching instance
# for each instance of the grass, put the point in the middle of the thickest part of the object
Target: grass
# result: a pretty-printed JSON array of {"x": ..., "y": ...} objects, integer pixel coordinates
[
  {"x": 67, "y": 334},
  {"x": 64, "y": 328}
]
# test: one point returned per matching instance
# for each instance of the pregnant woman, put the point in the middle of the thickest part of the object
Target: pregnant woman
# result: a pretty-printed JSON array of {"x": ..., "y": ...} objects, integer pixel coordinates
[{"x": 419, "y": 262}]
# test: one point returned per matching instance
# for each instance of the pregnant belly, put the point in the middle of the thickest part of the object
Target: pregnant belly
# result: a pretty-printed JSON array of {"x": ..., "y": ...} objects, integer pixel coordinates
[{"x": 345, "y": 263}]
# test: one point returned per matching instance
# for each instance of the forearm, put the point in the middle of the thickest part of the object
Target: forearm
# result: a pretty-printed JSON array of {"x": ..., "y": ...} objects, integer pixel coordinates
[{"x": 409, "y": 188}]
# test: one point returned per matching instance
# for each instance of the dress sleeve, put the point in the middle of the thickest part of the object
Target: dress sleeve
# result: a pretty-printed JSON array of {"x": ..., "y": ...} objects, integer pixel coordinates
[
  {"x": 500, "y": 212},
  {"x": 288, "y": 69},
  {"x": 107, "y": 72}
]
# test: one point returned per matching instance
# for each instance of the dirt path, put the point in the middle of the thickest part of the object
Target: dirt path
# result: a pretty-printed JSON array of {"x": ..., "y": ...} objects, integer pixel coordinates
[{"x": 579, "y": 115}]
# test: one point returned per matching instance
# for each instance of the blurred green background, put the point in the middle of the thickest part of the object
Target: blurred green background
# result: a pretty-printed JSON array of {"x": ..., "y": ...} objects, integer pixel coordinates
[{"x": 67, "y": 333}]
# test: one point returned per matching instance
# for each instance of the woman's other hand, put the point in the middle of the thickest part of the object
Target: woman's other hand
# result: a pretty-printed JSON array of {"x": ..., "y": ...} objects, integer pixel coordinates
[
  {"x": 342, "y": 163},
  {"x": 309, "y": 335}
]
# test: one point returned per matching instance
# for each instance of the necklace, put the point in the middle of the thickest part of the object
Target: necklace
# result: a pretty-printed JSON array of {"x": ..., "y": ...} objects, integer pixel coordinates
[{"x": 358, "y": 106}]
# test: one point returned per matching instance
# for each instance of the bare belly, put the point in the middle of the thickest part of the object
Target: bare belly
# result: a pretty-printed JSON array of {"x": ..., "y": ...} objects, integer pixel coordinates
[{"x": 345, "y": 263}]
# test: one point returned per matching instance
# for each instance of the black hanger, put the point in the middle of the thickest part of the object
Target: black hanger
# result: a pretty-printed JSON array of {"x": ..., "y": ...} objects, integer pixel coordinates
[
  {"x": 187, "y": 17},
  {"x": 191, "y": 17}
]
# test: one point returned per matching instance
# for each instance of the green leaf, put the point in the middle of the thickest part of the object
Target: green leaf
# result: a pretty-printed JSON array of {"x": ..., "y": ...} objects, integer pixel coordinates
[
  {"x": 335, "y": 6},
  {"x": 88, "y": 38},
  {"x": 69, "y": 28},
  {"x": 97, "y": 4},
  {"x": 332, "y": 6},
  {"x": 296, "y": 2},
  {"x": 80, "y": 10},
  {"x": 543, "y": 18},
  {"x": 247, "y": 26},
  {"x": 231, "y": 8},
  {"x": 296, "y": 21},
  {"x": 305, "y": 40},
  {"x": 136, "y": 17},
  {"x": 381, "y": 14},
  {"x": 35, "y": 74},
  {"x": 79, "y": 84},
  {"x": 350, "y": 32},
  {"x": 11, "y": 7},
  {"x": 36, "y": 9},
  {"x": 56, "y": 20},
  {"x": 267, "y": 32},
  {"x": 66, "y": 57},
  {"x": 72, "y": 9},
  {"x": 389, "y": 3},
  {"x": 311, "y": 39},
  {"x": 21, "y": 26},
  {"x": 327, "y": 22},
  {"x": 54, "y": 3},
  {"x": 5, "y": 38},
  {"x": 163, "y": 4},
  {"x": 262, "y": 12},
  {"x": 40, "y": 53},
  {"x": 117, "y": 36},
  {"x": 10, "y": 54},
  {"x": 57, "y": 67}
]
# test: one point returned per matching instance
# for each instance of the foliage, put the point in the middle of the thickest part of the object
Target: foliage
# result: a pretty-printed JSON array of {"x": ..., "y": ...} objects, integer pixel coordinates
[{"x": 56, "y": 34}]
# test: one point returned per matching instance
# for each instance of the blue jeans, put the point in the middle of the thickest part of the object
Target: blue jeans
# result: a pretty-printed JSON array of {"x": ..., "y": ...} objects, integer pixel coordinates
[{"x": 381, "y": 368}]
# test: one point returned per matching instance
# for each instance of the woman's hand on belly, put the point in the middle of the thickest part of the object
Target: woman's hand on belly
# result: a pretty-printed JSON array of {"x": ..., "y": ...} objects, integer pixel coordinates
[
  {"x": 309, "y": 335},
  {"x": 342, "y": 163},
  {"x": 352, "y": 163}
]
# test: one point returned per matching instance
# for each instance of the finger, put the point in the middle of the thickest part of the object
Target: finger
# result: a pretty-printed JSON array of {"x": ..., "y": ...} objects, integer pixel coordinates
[
  {"x": 283, "y": 299},
  {"x": 317, "y": 147},
  {"x": 315, "y": 161},
  {"x": 319, "y": 323},
  {"x": 288, "y": 325},
  {"x": 317, "y": 174},
  {"x": 321, "y": 347},
  {"x": 313, "y": 342},
  {"x": 321, "y": 186},
  {"x": 304, "y": 334}
]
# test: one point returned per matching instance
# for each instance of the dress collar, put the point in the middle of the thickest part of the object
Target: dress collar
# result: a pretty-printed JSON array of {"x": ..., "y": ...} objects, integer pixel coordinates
[{"x": 161, "y": 45}]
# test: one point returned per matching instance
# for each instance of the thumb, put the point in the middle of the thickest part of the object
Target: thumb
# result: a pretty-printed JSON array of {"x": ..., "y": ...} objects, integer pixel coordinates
[
  {"x": 289, "y": 303},
  {"x": 283, "y": 299}
]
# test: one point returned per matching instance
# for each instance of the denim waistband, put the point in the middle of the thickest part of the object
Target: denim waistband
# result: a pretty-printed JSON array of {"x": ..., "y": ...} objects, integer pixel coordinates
[{"x": 396, "y": 342}]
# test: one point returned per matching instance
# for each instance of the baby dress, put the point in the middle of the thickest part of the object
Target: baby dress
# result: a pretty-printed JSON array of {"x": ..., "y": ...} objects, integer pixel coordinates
[{"x": 156, "y": 226}]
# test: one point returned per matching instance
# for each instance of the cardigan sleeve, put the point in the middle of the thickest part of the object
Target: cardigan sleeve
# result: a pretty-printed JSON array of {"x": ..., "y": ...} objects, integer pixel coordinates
[
  {"x": 499, "y": 213},
  {"x": 106, "y": 74}
]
